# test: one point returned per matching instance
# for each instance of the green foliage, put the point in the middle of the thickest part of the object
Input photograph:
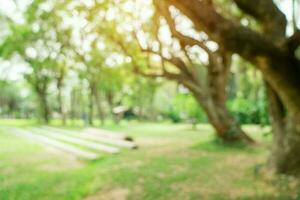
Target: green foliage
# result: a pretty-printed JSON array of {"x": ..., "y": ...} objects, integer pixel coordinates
[
  {"x": 112, "y": 79},
  {"x": 249, "y": 111},
  {"x": 72, "y": 57},
  {"x": 247, "y": 97},
  {"x": 10, "y": 99},
  {"x": 184, "y": 108}
]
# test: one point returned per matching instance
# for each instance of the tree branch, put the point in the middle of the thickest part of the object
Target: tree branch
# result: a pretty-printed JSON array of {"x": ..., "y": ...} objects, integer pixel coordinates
[
  {"x": 164, "y": 11},
  {"x": 175, "y": 61},
  {"x": 233, "y": 37},
  {"x": 293, "y": 42},
  {"x": 266, "y": 12}
]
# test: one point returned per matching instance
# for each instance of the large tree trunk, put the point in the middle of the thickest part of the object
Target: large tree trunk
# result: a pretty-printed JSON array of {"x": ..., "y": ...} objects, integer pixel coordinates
[
  {"x": 226, "y": 127},
  {"x": 214, "y": 103},
  {"x": 288, "y": 161},
  {"x": 212, "y": 98},
  {"x": 284, "y": 157}
]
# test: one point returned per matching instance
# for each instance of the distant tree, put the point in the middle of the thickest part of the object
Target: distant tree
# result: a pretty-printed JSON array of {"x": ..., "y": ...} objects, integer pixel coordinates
[
  {"x": 10, "y": 99},
  {"x": 24, "y": 41},
  {"x": 93, "y": 63},
  {"x": 40, "y": 80},
  {"x": 39, "y": 41}
]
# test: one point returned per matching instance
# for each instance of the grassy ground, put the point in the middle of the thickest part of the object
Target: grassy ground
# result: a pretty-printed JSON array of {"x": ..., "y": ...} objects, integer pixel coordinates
[{"x": 173, "y": 162}]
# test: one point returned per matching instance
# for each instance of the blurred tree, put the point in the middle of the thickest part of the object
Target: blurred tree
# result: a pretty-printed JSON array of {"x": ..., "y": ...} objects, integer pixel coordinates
[
  {"x": 24, "y": 41},
  {"x": 271, "y": 50},
  {"x": 178, "y": 60},
  {"x": 9, "y": 99}
]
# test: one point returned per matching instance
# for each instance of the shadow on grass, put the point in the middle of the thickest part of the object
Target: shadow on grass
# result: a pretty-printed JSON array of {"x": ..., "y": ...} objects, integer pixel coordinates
[{"x": 218, "y": 146}]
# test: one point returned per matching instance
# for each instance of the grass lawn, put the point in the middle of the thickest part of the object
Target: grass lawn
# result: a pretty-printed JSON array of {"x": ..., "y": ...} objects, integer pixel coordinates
[{"x": 173, "y": 162}]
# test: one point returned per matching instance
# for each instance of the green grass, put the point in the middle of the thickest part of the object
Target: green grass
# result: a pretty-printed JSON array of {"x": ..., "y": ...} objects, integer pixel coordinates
[{"x": 173, "y": 162}]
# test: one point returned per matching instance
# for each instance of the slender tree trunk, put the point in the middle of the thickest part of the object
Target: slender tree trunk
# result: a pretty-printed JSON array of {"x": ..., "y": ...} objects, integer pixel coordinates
[
  {"x": 73, "y": 105},
  {"x": 45, "y": 110},
  {"x": 91, "y": 109},
  {"x": 98, "y": 103},
  {"x": 61, "y": 104},
  {"x": 59, "y": 85},
  {"x": 151, "y": 111},
  {"x": 110, "y": 101}
]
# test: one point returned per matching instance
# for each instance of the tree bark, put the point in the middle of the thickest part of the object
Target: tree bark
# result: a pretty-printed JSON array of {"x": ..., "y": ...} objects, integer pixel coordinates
[
  {"x": 284, "y": 157},
  {"x": 226, "y": 127}
]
